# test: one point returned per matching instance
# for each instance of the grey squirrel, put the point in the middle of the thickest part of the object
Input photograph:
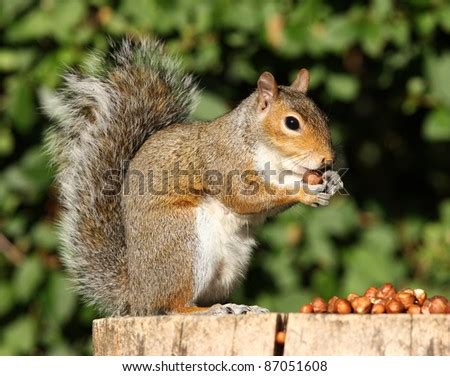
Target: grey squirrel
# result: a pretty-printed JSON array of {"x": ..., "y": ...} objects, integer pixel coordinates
[{"x": 134, "y": 250}]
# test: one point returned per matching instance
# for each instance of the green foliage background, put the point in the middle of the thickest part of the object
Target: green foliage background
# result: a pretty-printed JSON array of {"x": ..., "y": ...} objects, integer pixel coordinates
[{"x": 380, "y": 69}]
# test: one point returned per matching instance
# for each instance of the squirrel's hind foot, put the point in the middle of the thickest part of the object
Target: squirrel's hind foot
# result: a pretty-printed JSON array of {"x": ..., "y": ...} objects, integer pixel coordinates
[{"x": 233, "y": 309}]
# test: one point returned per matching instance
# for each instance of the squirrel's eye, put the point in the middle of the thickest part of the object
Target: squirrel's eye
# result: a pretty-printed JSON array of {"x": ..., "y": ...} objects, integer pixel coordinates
[{"x": 292, "y": 123}]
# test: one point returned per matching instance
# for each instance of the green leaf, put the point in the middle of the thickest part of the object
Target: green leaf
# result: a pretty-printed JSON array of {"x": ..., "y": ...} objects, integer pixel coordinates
[
  {"x": 51, "y": 67},
  {"x": 17, "y": 225},
  {"x": 60, "y": 300},
  {"x": 437, "y": 125},
  {"x": 373, "y": 38},
  {"x": 444, "y": 210},
  {"x": 142, "y": 13},
  {"x": 438, "y": 73},
  {"x": 207, "y": 56},
  {"x": 58, "y": 19},
  {"x": 337, "y": 219},
  {"x": 366, "y": 267},
  {"x": 9, "y": 200},
  {"x": 282, "y": 260},
  {"x": 426, "y": 23},
  {"x": 415, "y": 86},
  {"x": 285, "y": 301},
  {"x": 66, "y": 16},
  {"x": 444, "y": 18},
  {"x": 243, "y": 15},
  {"x": 6, "y": 298},
  {"x": 60, "y": 348},
  {"x": 241, "y": 69},
  {"x": 6, "y": 142},
  {"x": 399, "y": 31},
  {"x": 20, "y": 103},
  {"x": 381, "y": 8},
  {"x": 412, "y": 229},
  {"x": 30, "y": 177},
  {"x": 15, "y": 59},
  {"x": 341, "y": 33},
  {"x": 20, "y": 336},
  {"x": 33, "y": 25},
  {"x": 210, "y": 106},
  {"x": 342, "y": 87},
  {"x": 318, "y": 74},
  {"x": 44, "y": 236},
  {"x": 27, "y": 278},
  {"x": 324, "y": 283},
  {"x": 35, "y": 167},
  {"x": 380, "y": 238},
  {"x": 10, "y": 9}
]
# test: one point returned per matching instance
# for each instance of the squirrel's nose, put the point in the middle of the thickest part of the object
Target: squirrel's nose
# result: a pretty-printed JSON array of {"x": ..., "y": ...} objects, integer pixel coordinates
[{"x": 328, "y": 160}]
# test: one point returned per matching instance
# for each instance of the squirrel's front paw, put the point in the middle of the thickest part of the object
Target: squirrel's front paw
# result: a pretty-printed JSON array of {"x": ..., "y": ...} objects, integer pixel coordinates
[
  {"x": 320, "y": 199},
  {"x": 333, "y": 182},
  {"x": 320, "y": 194},
  {"x": 315, "y": 194}
]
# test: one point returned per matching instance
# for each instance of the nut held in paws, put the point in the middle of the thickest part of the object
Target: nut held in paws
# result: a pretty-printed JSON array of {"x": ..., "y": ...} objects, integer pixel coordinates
[{"x": 312, "y": 177}]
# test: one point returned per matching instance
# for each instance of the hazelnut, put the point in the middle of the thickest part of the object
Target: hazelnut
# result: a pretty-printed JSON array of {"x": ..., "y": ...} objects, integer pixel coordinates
[
  {"x": 361, "y": 304},
  {"x": 420, "y": 296},
  {"x": 407, "y": 290},
  {"x": 307, "y": 308},
  {"x": 343, "y": 306},
  {"x": 371, "y": 292},
  {"x": 406, "y": 298},
  {"x": 438, "y": 304},
  {"x": 352, "y": 296},
  {"x": 426, "y": 307},
  {"x": 386, "y": 291},
  {"x": 319, "y": 305},
  {"x": 443, "y": 298},
  {"x": 378, "y": 301},
  {"x": 378, "y": 308},
  {"x": 312, "y": 177},
  {"x": 414, "y": 309},
  {"x": 395, "y": 306},
  {"x": 280, "y": 338},
  {"x": 332, "y": 304}
]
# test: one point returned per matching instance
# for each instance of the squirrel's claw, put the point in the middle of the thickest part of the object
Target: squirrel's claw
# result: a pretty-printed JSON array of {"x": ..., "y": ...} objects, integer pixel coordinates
[
  {"x": 333, "y": 182},
  {"x": 332, "y": 185},
  {"x": 321, "y": 199},
  {"x": 233, "y": 309}
]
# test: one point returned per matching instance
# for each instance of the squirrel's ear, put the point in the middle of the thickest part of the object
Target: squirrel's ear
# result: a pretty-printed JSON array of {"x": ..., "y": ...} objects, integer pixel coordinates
[
  {"x": 301, "y": 82},
  {"x": 267, "y": 90}
]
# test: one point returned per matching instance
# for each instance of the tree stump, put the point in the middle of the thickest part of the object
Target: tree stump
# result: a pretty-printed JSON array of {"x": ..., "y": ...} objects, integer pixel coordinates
[{"x": 254, "y": 334}]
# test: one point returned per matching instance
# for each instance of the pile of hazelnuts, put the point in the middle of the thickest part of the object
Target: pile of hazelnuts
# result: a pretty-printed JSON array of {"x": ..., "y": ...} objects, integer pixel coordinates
[{"x": 385, "y": 299}]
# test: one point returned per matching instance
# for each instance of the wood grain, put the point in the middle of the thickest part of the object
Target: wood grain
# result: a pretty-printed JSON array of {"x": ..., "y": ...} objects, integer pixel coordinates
[
  {"x": 306, "y": 334},
  {"x": 185, "y": 335}
]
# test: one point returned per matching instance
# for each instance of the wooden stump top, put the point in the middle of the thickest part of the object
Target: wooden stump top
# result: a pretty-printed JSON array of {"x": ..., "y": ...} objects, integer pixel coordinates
[{"x": 254, "y": 334}]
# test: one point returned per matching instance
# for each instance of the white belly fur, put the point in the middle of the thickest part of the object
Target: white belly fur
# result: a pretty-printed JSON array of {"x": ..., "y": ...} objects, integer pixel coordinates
[{"x": 224, "y": 248}]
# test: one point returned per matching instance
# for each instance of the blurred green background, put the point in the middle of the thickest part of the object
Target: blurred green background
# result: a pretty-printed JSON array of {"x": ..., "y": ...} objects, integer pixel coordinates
[{"x": 380, "y": 70}]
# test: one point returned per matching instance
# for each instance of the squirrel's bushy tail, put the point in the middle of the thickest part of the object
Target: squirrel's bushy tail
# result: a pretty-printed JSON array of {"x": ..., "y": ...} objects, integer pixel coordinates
[{"x": 102, "y": 120}]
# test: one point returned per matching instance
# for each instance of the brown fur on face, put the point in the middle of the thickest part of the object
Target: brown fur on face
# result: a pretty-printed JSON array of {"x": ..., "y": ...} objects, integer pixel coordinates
[{"x": 311, "y": 140}]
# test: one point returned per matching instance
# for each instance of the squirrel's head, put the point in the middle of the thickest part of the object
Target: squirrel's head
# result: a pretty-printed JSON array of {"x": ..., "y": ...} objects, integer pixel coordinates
[{"x": 293, "y": 127}]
